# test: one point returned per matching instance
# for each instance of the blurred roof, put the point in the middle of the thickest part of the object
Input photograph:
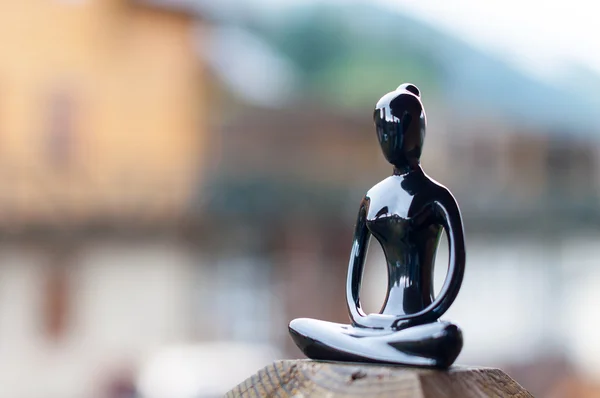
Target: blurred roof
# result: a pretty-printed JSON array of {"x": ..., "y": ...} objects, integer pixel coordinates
[
  {"x": 249, "y": 67},
  {"x": 223, "y": 11},
  {"x": 183, "y": 6}
]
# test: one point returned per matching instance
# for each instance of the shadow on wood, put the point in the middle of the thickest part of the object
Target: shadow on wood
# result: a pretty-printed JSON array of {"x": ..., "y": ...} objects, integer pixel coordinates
[{"x": 307, "y": 378}]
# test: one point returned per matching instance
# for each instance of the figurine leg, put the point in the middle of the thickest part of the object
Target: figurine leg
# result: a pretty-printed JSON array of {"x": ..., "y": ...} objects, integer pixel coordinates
[{"x": 435, "y": 344}]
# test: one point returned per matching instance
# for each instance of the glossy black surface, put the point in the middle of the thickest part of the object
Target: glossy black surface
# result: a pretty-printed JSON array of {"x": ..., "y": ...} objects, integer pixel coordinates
[{"x": 406, "y": 213}]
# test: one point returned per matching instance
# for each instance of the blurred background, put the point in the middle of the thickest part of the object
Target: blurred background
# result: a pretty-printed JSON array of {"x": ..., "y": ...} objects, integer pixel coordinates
[{"x": 180, "y": 179}]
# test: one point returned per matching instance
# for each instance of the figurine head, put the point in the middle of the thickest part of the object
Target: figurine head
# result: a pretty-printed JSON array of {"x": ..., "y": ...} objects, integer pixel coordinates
[{"x": 400, "y": 121}]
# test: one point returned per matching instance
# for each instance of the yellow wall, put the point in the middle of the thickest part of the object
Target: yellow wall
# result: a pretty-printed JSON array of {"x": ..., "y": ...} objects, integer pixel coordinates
[{"x": 136, "y": 87}]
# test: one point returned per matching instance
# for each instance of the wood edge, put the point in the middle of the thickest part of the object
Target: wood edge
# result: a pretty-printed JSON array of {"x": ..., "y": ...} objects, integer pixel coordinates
[
  {"x": 285, "y": 374},
  {"x": 452, "y": 369}
]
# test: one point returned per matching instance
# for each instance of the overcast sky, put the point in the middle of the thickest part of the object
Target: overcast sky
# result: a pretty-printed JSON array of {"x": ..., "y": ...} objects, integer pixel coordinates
[{"x": 538, "y": 35}]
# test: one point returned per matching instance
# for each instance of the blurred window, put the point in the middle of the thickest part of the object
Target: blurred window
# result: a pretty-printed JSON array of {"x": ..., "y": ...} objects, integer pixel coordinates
[
  {"x": 484, "y": 155},
  {"x": 57, "y": 294},
  {"x": 570, "y": 166},
  {"x": 241, "y": 295},
  {"x": 60, "y": 134}
]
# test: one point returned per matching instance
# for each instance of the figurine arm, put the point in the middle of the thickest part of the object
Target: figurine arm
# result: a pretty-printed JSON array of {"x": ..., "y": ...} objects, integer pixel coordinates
[
  {"x": 448, "y": 213},
  {"x": 360, "y": 245}
]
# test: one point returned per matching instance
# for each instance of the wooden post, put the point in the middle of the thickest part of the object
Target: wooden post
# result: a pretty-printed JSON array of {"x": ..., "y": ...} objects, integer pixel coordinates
[{"x": 307, "y": 378}]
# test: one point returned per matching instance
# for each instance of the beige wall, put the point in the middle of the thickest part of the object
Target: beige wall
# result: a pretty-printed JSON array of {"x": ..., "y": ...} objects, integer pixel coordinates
[
  {"x": 125, "y": 302},
  {"x": 134, "y": 85}
]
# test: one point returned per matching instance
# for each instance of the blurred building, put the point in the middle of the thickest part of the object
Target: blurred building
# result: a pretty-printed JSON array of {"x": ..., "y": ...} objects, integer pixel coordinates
[
  {"x": 103, "y": 131},
  {"x": 103, "y": 112}
]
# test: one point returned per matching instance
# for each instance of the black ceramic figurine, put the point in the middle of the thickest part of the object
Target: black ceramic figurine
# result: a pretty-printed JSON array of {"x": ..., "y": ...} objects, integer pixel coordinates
[{"x": 406, "y": 213}]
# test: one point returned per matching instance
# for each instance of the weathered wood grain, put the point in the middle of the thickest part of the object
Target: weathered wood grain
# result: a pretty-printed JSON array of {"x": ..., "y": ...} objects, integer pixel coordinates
[{"x": 307, "y": 378}]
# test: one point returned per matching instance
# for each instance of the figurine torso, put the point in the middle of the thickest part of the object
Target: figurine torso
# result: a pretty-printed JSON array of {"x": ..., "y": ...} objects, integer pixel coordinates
[{"x": 400, "y": 216}]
